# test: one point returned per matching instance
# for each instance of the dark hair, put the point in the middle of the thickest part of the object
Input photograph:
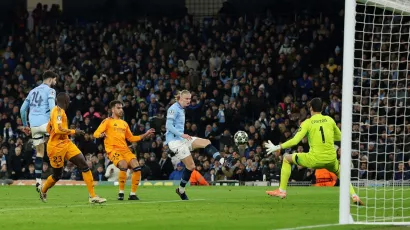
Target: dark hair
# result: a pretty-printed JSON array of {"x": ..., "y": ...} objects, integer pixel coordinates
[
  {"x": 114, "y": 103},
  {"x": 61, "y": 96},
  {"x": 49, "y": 74},
  {"x": 316, "y": 104}
]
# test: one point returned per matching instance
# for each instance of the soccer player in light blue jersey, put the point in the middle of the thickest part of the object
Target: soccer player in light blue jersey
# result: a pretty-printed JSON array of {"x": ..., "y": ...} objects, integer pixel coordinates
[
  {"x": 182, "y": 144},
  {"x": 40, "y": 101}
]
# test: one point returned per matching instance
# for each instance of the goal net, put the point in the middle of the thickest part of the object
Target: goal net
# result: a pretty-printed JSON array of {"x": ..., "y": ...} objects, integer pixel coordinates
[{"x": 376, "y": 112}]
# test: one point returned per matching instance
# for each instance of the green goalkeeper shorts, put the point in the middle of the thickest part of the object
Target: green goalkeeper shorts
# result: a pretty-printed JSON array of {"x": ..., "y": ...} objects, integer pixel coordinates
[{"x": 309, "y": 160}]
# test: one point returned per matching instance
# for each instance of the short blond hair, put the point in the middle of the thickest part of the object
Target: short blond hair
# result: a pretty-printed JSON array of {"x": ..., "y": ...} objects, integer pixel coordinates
[{"x": 180, "y": 93}]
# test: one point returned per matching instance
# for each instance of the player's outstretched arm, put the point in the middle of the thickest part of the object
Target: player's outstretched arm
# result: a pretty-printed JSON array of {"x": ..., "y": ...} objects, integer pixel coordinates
[
  {"x": 132, "y": 138},
  {"x": 100, "y": 132},
  {"x": 298, "y": 137},
  {"x": 61, "y": 130}
]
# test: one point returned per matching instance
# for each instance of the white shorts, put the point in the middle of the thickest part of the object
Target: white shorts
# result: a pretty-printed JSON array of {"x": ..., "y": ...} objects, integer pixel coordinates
[
  {"x": 38, "y": 134},
  {"x": 182, "y": 148}
]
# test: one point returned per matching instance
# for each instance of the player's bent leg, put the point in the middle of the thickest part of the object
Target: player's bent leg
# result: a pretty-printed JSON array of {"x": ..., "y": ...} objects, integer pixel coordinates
[
  {"x": 135, "y": 179},
  {"x": 122, "y": 178},
  {"x": 209, "y": 149},
  {"x": 50, "y": 182},
  {"x": 189, "y": 167},
  {"x": 284, "y": 177},
  {"x": 80, "y": 162},
  {"x": 334, "y": 167}
]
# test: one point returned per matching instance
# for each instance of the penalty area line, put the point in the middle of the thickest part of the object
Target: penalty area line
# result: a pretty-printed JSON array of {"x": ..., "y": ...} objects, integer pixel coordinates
[
  {"x": 96, "y": 205},
  {"x": 309, "y": 227}
]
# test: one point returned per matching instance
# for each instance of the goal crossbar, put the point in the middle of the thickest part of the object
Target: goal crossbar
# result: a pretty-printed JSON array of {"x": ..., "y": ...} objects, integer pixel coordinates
[{"x": 396, "y": 6}]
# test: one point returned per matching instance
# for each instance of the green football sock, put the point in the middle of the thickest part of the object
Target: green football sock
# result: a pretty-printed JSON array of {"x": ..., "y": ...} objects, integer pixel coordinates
[{"x": 285, "y": 174}]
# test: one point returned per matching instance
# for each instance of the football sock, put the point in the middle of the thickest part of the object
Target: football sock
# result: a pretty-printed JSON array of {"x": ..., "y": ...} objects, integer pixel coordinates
[
  {"x": 135, "y": 179},
  {"x": 185, "y": 179},
  {"x": 89, "y": 181},
  {"x": 122, "y": 178},
  {"x": 352, "y": 191},
  {"x": 38, "y": 168},
  {"x": 50, "y": 182},
  {"x": 284, "y": 175},
  {"x": 211, "y": 151}
]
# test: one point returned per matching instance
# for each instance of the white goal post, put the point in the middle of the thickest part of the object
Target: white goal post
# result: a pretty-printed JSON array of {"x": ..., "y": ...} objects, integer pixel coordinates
[{"x": 376, "y": 105}]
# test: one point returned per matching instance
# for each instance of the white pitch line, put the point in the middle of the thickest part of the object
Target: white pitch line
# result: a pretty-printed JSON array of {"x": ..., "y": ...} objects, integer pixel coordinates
[
  {"x": 309, "y": 227},
  {"x": 97, "y": 205}
]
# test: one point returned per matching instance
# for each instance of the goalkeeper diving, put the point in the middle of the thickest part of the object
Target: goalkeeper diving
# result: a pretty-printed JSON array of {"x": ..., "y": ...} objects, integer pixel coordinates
[{"x": 321, "y": 132}]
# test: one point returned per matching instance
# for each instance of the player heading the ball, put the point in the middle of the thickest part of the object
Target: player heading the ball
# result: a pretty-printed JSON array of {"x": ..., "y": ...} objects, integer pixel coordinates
[
  {"x": 182, "y": 144},
  {"x": 322, "y": 132},
  {"x": 115, "y": 132}
]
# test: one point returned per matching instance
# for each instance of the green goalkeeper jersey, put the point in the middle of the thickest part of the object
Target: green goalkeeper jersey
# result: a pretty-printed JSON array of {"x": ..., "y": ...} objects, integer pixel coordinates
[{"x": 321, "y": 132}]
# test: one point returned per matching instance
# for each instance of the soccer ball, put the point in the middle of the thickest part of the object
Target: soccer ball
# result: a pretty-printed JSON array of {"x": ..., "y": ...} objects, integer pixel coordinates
[{"x": 240, "y": 138}]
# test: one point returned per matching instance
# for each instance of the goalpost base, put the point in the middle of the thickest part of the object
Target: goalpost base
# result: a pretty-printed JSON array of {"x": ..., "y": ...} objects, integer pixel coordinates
[
  {"x": 351, "y": 221},
  {"x": 383, "y": 223}
]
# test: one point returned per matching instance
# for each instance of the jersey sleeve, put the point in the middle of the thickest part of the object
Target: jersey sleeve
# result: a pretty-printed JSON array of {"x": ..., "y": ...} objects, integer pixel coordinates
[
  {"x": 52, "y": 94},
  {"x": 23, "y": 111},
  {"x": 101, "y": 129},
  {"x": 171, "y": 115},
  {"x": 129, "y": 136},
  {"x": 51, "y": 99},
  {"x": 57, "y": 123},
  {"x": 336, "y": 130},
  {"x": 303, "y": 129}
]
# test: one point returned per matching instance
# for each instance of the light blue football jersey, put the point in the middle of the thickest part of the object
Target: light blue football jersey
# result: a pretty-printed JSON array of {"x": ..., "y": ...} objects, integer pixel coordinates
[
  {"x": 175, "y": 124},
  {"x": 41, "y": 101}
]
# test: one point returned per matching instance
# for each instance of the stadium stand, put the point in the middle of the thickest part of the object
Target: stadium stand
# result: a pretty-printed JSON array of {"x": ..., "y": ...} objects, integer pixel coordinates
[{"x": 253, "y": 73}]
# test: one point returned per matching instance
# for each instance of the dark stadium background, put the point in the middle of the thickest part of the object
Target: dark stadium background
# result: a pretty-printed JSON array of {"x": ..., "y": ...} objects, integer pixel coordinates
[{"x": 320, "y": 58}]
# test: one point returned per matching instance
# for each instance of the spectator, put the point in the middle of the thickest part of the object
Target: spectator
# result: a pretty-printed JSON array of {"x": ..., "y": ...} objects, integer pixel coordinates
[
  {"x": 3, "y": 165},
  {"x": 154, "y": 166},
  {"x": 46, "y": 171},
  {"x": 17, "y": 164},
  {"x": 401, "y": 173},
  {"x": 298, "y": 173},
  {"x": 99, "y": 174},
  {"x": 30, "y": 174},
  {"x": 272, "y": 172},
  {"x": 166, "y": 166},
  {"x": 254, "y": 174},
  {"x": 177, "y": 173},
  {"x": 146, "y": 173}
]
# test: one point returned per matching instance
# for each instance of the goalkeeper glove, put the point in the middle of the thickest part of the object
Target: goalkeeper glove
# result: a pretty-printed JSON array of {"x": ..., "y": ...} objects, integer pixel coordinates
[{"x": 270, "y": 148}]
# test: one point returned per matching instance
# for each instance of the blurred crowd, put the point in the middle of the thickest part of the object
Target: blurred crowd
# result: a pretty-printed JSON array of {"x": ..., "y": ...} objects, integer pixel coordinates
[{"x": 255, "y": 74}]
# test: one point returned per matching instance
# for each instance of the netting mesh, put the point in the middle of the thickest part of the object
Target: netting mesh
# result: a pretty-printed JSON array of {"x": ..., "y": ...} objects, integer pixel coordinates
[
  {"x": 401, "y": 6},
  {"x": 381, "y": 111}
]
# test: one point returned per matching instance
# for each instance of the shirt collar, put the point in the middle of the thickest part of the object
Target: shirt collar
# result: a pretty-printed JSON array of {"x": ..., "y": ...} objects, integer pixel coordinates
[{"x": 179, "y": 105}]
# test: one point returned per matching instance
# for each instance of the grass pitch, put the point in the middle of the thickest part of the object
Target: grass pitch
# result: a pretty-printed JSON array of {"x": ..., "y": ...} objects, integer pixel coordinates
[{"x": 160, "y": 208}]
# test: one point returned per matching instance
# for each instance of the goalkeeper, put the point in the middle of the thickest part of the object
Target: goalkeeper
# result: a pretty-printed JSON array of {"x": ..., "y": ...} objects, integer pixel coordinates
[{"x": 321, "y": 132}]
